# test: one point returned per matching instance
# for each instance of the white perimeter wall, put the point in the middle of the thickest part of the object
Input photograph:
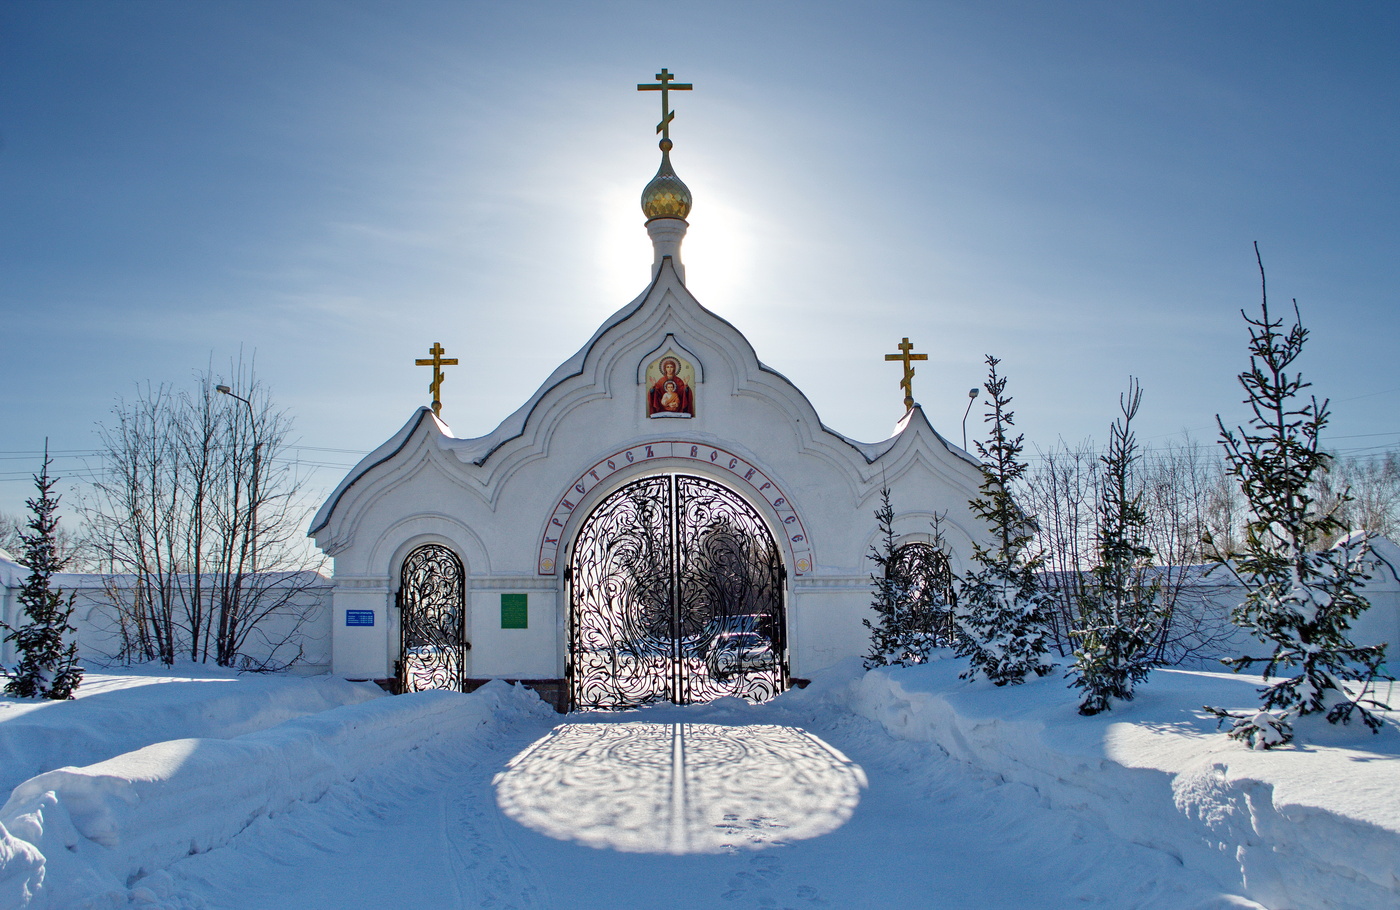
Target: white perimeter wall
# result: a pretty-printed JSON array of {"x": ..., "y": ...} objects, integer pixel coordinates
[
  {"x": 821, "y": 622},
  {"x": 307, "y": 620}
]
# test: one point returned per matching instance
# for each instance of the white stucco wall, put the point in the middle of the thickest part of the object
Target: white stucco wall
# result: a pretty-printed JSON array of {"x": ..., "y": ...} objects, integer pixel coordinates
[
  {"x": 305, "y": 623},
  {"x": 500, "y": 500}
]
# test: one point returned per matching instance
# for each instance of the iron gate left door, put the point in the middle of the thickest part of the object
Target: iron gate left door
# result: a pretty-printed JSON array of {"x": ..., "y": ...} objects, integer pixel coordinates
[
  {"x": 676, "y": 594},
  {"x": 432, "y": 620}
]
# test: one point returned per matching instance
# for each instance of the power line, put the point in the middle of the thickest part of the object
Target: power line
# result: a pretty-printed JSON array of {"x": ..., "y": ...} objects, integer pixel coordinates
[
  {"x": 91, "y": 474},
  {"x": 93, "y": 453},
  {"x": 1370, "y": 394}
]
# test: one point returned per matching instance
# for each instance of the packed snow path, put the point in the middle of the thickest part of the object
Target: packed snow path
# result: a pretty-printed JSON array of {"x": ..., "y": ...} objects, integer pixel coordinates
[{"x": 723, "y": 806}]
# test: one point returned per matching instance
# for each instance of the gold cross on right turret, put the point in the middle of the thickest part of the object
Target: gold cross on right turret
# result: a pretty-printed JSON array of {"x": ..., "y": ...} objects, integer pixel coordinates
[{"x": 907, "y": 383}]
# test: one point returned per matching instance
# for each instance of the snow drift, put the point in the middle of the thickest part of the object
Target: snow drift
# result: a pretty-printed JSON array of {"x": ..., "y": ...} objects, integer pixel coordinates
[
  {"x": 1316, "y": 825},
  {"x": 119, "y": 712},
  {"x": 1313, "y": 826},
  {"x": 81, "y": 837}
]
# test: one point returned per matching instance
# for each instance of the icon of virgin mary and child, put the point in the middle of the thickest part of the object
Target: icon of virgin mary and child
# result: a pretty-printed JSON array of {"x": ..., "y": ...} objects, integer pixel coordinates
[{"x": 670, "y": 395}]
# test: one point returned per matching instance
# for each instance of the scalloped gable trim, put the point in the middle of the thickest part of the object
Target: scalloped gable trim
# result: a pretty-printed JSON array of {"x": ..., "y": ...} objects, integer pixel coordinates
[
  {"x": 389, "y": 450},
  {"x": 476, "y": 452}
]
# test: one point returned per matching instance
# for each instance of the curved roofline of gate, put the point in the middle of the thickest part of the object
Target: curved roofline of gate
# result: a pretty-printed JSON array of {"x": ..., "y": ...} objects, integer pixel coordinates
[
  {"x": 519, "y": 420},
  {"x": 374, "y": 459},
  {"x": 478, "y": 451}
]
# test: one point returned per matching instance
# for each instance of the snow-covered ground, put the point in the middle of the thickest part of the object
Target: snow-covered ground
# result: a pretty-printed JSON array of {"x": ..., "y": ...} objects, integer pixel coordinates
[
  {"x": 117, "y": 711},
  {"x": 890, "y": 788}
]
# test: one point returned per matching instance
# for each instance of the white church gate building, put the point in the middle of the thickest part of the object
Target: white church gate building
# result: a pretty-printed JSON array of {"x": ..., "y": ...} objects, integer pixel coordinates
[{"x": 665, "y": 519}]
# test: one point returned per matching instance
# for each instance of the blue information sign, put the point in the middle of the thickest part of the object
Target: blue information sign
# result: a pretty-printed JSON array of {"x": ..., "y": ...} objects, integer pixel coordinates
[{"x": 359, "y": 617}]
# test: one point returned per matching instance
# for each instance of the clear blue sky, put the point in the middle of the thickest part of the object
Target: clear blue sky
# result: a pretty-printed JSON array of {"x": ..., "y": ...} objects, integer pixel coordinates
[{"x": 1073, "y": 187}]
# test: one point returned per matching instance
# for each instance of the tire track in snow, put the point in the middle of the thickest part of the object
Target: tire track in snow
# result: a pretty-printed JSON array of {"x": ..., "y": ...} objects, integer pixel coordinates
[{"x": 485, "y": 857}]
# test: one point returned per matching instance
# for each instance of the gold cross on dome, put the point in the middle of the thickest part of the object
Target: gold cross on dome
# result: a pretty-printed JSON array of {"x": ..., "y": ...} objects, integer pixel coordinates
[
  {"x": 665, "y": 86},
  {"x": 437, "y": 362},
  {"x": 907, "y": 383}
]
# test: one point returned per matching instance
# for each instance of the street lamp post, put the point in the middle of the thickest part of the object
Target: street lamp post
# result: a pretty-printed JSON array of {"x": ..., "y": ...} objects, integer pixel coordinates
[
  {"x": 971, "y": 397},
  {"x": 252, "y": 488}
]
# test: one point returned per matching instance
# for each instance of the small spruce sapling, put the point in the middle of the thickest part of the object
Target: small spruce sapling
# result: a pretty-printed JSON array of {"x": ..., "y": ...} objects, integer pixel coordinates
[
  {"x": 912, "y": 593},
  {"x": 1002, "y": 613},
  {"x": 1120, "y": 616},
  {"x": 1298, "y": 599},
  {"x": 48, "y": 658}
]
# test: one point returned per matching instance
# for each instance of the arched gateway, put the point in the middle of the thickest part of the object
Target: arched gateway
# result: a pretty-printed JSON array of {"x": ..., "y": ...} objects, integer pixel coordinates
[
  {"x": 664, "y": 518},
  {"x": 676, "y": 593},
  {"x": 432, "y": 623}
]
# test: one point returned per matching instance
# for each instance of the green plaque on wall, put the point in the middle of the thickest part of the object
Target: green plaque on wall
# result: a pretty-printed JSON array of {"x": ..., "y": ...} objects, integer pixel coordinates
[{"x": 515, "y": 611}]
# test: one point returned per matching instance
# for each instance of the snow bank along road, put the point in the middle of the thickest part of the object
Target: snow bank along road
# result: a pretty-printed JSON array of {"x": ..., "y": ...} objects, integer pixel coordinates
[
  {"x": 117, "y": 712},
  {"x": 440, "y": 800}
]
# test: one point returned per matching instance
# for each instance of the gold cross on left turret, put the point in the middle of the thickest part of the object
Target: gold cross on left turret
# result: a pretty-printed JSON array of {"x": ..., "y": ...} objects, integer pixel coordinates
[
  {"x": 437, "y": 362},
  {"x": 665, "y": 86},
  {"x": 907, "y": 383}
]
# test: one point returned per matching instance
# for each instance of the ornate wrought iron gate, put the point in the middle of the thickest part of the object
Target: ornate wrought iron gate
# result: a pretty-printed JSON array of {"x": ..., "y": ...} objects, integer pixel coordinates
[
  {"x": 676, "y": 593},
  {"x": 931, "y": 588},
  {"x": 432, "y": 621}
]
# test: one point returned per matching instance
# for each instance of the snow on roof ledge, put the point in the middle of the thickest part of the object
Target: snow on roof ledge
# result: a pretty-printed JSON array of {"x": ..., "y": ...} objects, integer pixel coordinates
[
  {"x": 380, "y": 455},
  {"x": 1388, "y": 552}
]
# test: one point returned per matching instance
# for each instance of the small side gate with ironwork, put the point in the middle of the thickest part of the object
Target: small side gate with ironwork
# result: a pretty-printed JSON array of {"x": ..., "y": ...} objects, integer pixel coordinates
[
  {"x": 432, "y": 621},
  {"x": 676, "y": 593}
]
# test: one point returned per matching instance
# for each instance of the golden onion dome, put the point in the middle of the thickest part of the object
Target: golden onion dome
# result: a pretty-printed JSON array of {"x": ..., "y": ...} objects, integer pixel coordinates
[{"x": 666, "y": 196}]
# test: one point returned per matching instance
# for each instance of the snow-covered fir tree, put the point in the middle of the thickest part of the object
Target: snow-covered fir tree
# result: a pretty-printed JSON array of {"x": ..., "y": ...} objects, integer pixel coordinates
[
  {"x": 1300, "y": 601},
  {"x": 1001, "y": 613},
  {"x": 912, "y": 587},
  {"x": 48, "y": 657},
  {"x": 1120, "y": 614}
]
